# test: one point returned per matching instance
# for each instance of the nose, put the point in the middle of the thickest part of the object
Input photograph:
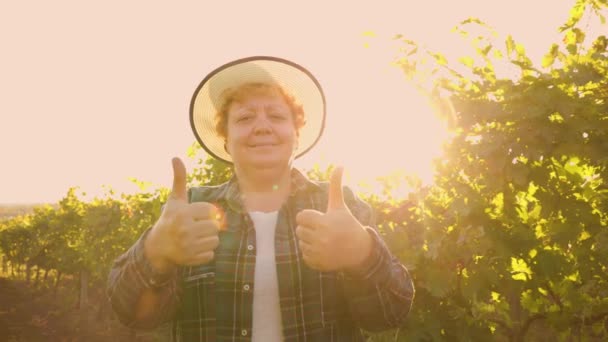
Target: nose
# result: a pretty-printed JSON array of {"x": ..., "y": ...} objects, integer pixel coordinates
[{"x": 262, "y": 125}]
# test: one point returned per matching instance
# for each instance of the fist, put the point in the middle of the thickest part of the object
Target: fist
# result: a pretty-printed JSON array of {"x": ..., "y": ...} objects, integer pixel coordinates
[
  {"x": 186, "y": 233},
  {"x": 334, "y": 240}
]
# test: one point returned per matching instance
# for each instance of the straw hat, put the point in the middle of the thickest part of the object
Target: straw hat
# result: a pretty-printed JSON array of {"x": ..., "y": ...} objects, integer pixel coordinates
[{"x": 293, "y": 78}]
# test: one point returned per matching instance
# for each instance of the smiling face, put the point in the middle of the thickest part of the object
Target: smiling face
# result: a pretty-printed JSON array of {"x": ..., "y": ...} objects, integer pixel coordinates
[
  {"x": 261, "y": 127},
  {"x": 261, "y": 132}
]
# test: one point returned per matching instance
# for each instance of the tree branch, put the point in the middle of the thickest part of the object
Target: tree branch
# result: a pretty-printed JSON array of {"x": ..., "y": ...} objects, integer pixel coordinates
[
  {"x": 554, "y": 297},
  {"x": 528, "y": 323}
]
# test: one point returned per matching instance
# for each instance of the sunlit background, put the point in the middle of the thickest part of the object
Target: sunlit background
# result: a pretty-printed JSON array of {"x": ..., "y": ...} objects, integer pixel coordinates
[{"x": 92, "y": 95}]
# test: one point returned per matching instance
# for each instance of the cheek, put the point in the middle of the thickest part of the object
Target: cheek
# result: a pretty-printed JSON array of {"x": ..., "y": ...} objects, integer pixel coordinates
[
  {"x": 232, "y": 138},
  {"x": 290, "y": 138},
  {"x": 235, "y": 134},
  {"x": 287, "y": 131}
]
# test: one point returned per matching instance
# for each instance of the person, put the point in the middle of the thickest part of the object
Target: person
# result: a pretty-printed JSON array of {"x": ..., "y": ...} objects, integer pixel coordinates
[{"x": 269, "y": 255}]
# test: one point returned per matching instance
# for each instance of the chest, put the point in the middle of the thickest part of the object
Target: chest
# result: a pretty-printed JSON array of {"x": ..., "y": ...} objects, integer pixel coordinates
[{"x": 217, "y": 298}]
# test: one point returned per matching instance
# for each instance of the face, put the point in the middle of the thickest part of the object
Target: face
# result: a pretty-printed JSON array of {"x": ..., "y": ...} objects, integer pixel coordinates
[{"x": 261, "y": 132}]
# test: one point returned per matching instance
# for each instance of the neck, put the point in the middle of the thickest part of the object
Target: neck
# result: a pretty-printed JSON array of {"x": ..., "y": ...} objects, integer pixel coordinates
[
  {"x": 264, "y": 189},
  {"x": 263, "y": 180}
]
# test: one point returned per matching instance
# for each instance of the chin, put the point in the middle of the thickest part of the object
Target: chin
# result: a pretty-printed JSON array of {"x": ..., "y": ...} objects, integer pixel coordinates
[{"x": 268, "y": 162}]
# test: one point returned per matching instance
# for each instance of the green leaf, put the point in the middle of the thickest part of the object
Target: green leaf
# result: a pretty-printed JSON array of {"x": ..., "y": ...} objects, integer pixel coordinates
[
  {"x": 369, "y": 34},
  {"x": 576, "y": 14},
  {"x": 520, "y": 50},
  {"x": 486, "y": 50},
  {"x": 530, "y": 302},
  {"x": 440, "y": 58},
  {"x": 468, "y": 61},
  {"x": 549, "y": 264},
  {"x": 549, "y": 58},
  {"x": 579, "y": 35},
  {"x": 520, "y": 270},
  {"x": 510, "y": 43},
  {"x": 438, "y": 282}
]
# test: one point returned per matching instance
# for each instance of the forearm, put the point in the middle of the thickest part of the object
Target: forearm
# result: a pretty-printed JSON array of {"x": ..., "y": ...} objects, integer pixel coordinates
[
  {"x": 381, "y": 291},
  {"x": 140, "y": 297},
  {"x": 153, "y": 308}
]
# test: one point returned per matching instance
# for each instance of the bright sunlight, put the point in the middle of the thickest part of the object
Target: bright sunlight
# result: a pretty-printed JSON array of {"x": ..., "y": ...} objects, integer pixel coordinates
[{"x": 378, "y": 125}]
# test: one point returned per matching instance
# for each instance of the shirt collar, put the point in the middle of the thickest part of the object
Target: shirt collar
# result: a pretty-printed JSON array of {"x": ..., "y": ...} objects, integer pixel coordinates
[{"x": 230, "y": 192}]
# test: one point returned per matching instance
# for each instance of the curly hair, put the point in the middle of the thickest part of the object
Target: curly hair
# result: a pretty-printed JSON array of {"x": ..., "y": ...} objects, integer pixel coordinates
[{"x": 246, "y": 90}]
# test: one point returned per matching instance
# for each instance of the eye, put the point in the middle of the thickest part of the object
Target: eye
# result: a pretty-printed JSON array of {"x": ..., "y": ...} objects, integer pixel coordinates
[
  {"x": 277, "y": 116},
  {"x": 244, "y": 117}
]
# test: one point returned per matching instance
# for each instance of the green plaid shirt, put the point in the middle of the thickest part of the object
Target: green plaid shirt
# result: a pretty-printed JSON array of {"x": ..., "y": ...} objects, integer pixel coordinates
[{"x": 214, "y": 302}]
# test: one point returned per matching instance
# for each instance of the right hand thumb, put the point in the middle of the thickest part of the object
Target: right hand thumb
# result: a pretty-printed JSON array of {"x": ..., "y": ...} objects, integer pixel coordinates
[{"x": 179, "y": 180}]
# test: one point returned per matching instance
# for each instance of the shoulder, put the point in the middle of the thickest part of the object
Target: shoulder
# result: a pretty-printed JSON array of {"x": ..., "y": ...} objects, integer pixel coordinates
[
  {"x": 209, "y": 193},
  {"x": 320, "y": 190}
]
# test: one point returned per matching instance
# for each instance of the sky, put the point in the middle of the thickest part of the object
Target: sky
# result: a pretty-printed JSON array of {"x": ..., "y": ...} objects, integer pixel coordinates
[{"x": 93, "y": 93}]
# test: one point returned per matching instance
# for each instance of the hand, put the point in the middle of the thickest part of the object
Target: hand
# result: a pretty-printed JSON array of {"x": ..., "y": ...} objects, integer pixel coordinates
[
  {"x": 186, "y": 233},
  {"x": 334, "y": 240}
]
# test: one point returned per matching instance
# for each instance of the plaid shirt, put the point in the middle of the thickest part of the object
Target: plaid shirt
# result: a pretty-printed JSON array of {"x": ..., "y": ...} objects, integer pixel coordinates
[{"x": 214, "y": 302}]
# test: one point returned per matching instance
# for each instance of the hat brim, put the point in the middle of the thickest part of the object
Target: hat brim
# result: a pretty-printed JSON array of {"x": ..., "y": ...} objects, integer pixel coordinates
[{"x": 293, "y": 78}]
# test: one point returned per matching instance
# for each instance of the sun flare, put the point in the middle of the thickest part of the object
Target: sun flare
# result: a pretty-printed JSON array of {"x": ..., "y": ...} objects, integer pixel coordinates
[{"x": 378, "y": 128}]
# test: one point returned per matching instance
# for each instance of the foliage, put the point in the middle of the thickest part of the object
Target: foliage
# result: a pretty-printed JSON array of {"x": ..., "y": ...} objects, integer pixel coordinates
[
  {"x": 76, "y": 236},
  {"x": 513, "y": 233},
  {"x": 208, "y": 171}
]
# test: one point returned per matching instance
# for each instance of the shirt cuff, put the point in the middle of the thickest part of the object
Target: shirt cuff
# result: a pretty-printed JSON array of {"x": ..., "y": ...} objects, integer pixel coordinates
[
  {"x": 376, "y": 267},
  {"x": 146, "y": 273}
]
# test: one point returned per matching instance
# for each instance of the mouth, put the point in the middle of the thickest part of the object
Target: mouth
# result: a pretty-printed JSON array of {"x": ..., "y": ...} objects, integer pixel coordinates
[{"x": 262, "y": 145}]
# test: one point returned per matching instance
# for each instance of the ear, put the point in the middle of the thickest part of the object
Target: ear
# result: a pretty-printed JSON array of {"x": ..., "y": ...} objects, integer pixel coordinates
[{"x": 226, "y": 148}]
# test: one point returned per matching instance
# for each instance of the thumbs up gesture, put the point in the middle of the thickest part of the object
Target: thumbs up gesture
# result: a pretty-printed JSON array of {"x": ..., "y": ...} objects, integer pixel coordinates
[
  {"x": 334, "y": 240},
  {"x": 186, "y": 233}
]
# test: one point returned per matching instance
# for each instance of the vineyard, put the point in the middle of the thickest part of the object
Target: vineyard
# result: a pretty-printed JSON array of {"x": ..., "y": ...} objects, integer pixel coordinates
[{"x": 510, "y": 242}]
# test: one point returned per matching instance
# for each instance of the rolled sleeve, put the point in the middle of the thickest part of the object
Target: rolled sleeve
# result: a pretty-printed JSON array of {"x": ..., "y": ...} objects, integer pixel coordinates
[
  {"x": 147, "y": 275},
  {"x": 380, "y": 294},
  {"x": 376, "y": 266},
  {"x": 131, "y": 274},
  {"x": 381, "y": 291}
]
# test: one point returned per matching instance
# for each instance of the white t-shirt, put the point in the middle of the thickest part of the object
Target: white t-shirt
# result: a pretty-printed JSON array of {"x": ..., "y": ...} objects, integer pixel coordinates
[{"x": 267, "y": 325}]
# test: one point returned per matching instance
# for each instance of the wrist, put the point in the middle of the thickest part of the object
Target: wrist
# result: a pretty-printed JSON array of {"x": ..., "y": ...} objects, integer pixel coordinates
[
  {"x": 154, "y": 255},
  {"x": 362, "y": 252}
]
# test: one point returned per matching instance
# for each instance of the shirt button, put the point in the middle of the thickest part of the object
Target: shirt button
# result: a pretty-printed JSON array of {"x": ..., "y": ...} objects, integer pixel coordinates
[
  {"x": 246, "y": 287},
  {"x": 244, "y": 332},
  {"x": 250, "y": 247}
]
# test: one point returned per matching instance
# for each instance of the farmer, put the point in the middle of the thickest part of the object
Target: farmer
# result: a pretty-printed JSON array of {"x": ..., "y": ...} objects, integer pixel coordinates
[{"x": 270, "y": 255}]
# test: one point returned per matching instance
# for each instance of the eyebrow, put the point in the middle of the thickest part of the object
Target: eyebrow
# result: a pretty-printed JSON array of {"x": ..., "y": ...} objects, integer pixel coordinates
[
  {"x": 240, "y": 107},
  {"x": 277, "y": 107}
]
